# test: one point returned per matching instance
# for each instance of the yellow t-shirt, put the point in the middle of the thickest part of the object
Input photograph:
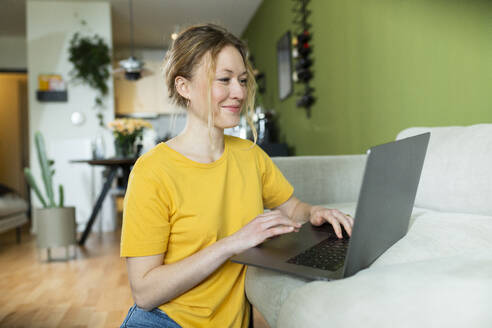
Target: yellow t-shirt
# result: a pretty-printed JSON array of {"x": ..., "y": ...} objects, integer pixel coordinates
[{"x": 177, "y": 206}]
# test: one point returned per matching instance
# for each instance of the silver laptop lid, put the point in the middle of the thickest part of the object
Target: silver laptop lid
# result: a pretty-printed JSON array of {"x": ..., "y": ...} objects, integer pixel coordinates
[{"x": 387, "y": 196}]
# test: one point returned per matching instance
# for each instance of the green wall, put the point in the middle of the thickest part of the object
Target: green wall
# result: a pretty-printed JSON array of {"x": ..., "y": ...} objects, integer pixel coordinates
[{"x": 380, "y": 66}]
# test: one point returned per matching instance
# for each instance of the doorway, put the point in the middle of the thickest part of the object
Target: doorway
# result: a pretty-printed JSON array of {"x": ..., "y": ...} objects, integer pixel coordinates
[{"x": 14, "y": 137}]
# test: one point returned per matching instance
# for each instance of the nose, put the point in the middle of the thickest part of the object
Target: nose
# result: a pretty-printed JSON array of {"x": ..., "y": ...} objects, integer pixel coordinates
[{"x": 237, "y": 90}]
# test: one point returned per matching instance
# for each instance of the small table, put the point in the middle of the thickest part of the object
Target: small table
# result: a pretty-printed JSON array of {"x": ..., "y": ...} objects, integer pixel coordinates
[{"x": 113, "y": 164}]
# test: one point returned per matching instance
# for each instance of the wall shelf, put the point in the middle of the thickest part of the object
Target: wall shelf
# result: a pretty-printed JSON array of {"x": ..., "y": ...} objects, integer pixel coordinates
[{"x": 52, "y": 96}]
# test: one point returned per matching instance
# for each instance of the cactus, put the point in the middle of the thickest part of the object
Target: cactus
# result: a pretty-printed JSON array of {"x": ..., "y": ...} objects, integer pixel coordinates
[
  {"x": 44, "y": 163},
  {"x": 46, "y": 173},
  {"x": 60, "y": 193},
  {"x": 34, "y": 186}
]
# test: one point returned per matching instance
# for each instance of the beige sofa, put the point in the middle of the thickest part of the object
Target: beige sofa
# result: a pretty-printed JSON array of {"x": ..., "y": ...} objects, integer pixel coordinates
[
  {"x": 438, "y": 275},
  {"x": 12, "y": 213}
]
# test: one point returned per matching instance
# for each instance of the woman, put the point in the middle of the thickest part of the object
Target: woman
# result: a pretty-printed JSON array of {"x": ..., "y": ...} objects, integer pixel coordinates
[{"x": 198, "y": 199}]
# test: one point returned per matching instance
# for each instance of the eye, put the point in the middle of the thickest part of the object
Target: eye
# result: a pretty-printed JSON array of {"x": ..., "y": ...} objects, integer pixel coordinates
[
  {"x": 225, "y": 79},
  {"x": 243, "y": 81}
]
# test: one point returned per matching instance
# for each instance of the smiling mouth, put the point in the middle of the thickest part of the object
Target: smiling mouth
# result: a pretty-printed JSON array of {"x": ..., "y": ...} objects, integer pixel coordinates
[{"x": 234, "y": 109}]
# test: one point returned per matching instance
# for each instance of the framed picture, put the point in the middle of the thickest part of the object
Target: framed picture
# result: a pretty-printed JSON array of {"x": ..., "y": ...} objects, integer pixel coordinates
[{"x": 284, "y": 66}]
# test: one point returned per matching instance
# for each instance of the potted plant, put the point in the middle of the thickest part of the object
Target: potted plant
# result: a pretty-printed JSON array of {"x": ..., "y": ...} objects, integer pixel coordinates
[
  {"x": 55, "y": 223},
  {"x": 126, "y": 132},
  {"x": 90, "y": 56}
]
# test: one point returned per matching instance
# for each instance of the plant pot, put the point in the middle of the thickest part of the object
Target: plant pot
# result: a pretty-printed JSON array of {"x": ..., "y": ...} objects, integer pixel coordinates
[
  {"x": 125, "y": 147},
  {"x": 55, "y": 227}
]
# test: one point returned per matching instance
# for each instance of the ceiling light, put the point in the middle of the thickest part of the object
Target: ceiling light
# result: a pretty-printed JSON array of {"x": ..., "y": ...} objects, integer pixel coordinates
[
  {"x": 132, "y": 66},
  {"x": 174, "y": 35}
]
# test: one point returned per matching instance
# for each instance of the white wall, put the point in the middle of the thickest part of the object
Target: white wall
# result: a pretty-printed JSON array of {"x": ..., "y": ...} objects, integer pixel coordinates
[
  {"x": 13, "y": 53},
  {"x": 50, "y": 26}
]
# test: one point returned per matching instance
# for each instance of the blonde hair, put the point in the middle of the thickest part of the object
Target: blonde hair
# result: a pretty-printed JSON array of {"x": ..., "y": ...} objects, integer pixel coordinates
[{"x": 206, "y": 41}]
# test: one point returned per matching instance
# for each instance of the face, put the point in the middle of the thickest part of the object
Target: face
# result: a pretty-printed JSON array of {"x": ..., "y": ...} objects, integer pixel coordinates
[{"x": 228, "y": 89}]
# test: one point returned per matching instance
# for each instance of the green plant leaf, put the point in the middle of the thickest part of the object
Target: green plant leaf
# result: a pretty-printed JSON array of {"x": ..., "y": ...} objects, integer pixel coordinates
[
  {"x": 90, "y": 56},
  {"x": 61, "y": 194},
  {"x": 34, "y": 186},
  {"x": 43, "y": 163}
]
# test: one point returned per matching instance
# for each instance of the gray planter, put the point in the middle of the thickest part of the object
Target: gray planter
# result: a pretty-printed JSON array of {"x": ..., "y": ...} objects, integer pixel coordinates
[{"x": 55, "y": 228}]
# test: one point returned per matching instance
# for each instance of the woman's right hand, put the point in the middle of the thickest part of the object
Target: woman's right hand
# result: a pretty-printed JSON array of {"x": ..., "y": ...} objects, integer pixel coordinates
[{"x": 262, "y": 227}]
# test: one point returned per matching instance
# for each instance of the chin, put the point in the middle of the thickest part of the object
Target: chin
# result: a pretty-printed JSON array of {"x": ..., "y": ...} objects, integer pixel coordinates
[
  {"x": 229, "y": 125},
  {"x": 228, "y": 122}
]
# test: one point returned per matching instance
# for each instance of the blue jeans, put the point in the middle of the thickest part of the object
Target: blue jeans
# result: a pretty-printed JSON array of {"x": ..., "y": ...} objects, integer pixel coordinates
[{"x": 156, "y": 318}]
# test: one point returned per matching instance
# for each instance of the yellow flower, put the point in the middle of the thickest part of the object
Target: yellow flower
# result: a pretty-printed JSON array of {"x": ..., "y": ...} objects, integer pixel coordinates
[{"x": 128, "y": 126}]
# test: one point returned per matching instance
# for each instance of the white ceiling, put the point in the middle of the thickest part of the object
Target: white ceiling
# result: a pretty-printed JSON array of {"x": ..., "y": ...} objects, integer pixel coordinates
[{"x": 154, "y": 20}]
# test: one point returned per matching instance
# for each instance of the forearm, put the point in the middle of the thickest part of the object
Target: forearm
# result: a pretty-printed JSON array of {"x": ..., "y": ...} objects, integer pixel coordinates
[
  {"x": 301, "y": 212},
  {"x": 166, "y": 282}
]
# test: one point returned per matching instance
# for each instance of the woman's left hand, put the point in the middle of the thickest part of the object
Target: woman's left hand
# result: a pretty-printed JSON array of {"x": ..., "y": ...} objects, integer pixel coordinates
[{"x": 336, "y": 218}]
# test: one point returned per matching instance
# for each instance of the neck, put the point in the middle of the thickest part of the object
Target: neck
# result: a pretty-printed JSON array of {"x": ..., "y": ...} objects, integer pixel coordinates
[{"x": 196, "y": 136}]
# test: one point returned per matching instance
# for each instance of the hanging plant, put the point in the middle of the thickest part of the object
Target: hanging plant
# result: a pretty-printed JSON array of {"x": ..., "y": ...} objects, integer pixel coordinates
[{"x": 90, "y": 56}]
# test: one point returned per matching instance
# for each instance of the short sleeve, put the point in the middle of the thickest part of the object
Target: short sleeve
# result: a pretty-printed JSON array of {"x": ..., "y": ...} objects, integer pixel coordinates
[
  {"x": 276, "y": 189},
  {"x": 146, "y": 226}
]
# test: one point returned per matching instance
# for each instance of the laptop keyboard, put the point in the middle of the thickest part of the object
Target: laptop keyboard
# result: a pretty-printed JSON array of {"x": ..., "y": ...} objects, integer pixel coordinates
[{"x": 329, "y": 255}]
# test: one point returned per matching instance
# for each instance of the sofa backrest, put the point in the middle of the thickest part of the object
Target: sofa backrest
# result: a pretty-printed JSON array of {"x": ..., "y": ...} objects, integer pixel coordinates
[
  {"x": 457, "y": 172},
  {"x": 324, "y": 179}
]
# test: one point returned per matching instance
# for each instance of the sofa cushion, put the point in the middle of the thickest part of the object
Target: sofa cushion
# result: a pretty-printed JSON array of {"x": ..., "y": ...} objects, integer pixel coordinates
[
  {"x": 442, "y": 248},
  {"x": 447, "y": 292},
  {"x": 456, "y": 174},
  {"x": 11, "y": 204},
  {"x": 12, "y": 221},
  {"x": 270, "y": 293}
]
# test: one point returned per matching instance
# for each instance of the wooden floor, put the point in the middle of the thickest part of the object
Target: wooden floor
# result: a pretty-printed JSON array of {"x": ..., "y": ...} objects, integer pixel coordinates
[{"x": 91, "y": 290}]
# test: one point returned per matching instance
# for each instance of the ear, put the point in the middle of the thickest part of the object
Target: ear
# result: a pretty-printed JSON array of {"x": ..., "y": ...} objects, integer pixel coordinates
[{"x": 182, "y": 86}]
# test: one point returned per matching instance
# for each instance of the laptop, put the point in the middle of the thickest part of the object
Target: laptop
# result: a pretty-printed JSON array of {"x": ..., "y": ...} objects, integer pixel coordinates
[{"x": 385, "y": 203}]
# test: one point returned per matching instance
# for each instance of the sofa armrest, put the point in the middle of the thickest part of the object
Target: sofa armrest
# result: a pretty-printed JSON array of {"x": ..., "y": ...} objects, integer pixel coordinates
[
  {"x": 267, "y": 291},
  {"x": 324, "y": 179}
]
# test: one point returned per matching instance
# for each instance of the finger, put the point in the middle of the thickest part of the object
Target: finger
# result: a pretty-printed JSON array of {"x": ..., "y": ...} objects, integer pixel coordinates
[
  {"x": 280, "y": 221},
  {"x": 344, "y": 221},
  {"x": 278, "y": 231},
  {"x": 336, "y": 225},
  {"x": 269, "y": 215},
  {"x": 276, "y": 218},
  {"x": 350, "y": 218}
]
